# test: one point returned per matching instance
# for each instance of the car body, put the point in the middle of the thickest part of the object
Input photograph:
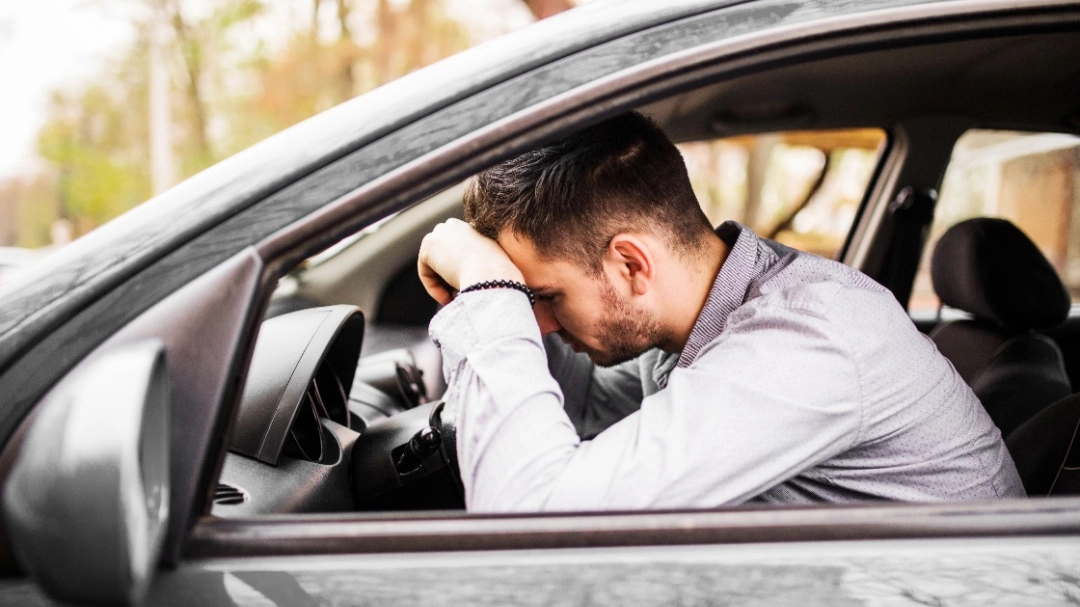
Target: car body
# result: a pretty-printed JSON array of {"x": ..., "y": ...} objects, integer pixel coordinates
[
  {"x": 196, "y": 269},
  {"x": 14, "y": 258}
]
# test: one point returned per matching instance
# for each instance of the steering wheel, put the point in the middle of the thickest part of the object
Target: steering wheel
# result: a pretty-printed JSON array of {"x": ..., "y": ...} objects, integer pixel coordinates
[{"x": 408, "y": 462}]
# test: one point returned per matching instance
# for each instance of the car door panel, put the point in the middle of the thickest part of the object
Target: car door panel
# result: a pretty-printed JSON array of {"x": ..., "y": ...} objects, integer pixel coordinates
[
  {"x": 904, "y": 572},
  {"x": 1005, "y": 571},
  {"x": 202, "y": 325}
]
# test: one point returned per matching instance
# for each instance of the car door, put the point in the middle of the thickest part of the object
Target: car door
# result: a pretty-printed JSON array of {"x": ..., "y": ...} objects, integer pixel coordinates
[{"x": 205, "y": 297}]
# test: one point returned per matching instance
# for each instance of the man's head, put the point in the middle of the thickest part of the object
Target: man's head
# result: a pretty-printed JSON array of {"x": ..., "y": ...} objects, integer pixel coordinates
[
  {"x": 570, "y": 197},
  {"x": 593, "y": 220}
]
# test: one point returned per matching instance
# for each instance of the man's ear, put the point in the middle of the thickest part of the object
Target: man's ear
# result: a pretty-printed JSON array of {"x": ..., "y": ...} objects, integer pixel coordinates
[{"x": 631, "y": 258}]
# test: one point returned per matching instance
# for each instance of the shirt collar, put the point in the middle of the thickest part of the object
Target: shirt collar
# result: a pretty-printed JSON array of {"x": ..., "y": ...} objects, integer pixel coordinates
[{"x": 728, "y": 291}]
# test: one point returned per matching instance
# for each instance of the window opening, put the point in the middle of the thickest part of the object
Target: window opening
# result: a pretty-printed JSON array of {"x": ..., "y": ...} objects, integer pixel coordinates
[
  {"x": 802, "y": 188},
  {"x": 1031, "y": 179}
]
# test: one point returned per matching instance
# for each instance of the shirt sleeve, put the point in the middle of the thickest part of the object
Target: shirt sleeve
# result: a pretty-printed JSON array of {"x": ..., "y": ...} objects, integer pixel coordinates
[
  {"x": 594, "y": 397},
  {"x": 513, "y": 436},
  {"x": 775, "y": 394}
]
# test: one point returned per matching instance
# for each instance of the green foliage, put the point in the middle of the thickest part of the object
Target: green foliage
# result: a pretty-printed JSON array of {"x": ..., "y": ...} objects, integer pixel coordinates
[
  {"x": 231, "y": 86},
  {"x": 98, "y": 153}
]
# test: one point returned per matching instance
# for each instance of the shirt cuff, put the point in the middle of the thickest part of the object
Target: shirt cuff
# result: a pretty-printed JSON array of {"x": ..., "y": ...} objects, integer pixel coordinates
[{"x": 479, "y": 318}]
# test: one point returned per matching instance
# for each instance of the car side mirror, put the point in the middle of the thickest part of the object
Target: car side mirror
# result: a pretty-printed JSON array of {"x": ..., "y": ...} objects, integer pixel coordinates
[{"x": 87, "y": 500}]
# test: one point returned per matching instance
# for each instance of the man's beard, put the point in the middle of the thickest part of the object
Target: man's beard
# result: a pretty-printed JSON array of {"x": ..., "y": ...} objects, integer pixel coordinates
[{"x": 624, "y": 333}]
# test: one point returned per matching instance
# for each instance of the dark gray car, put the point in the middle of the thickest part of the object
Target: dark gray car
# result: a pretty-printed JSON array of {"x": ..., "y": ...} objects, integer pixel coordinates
[{"x": 133, "y": 394}]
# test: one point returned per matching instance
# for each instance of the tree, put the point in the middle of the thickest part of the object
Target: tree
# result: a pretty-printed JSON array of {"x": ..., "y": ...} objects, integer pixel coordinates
[
  {"x": 200, "y": 44},
  {"x": 542, "y": 9},
  {"x": 318, "y": 69},
  {"x": 229, "y": 85},
  {"x": 96, "y": 144}
]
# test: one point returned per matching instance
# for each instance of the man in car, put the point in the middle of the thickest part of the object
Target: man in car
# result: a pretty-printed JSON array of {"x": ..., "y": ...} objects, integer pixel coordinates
[{"x": 708, "y": 367}]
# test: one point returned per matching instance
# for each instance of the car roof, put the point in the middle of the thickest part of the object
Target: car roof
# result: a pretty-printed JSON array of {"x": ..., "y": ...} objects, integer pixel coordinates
[{"x": 1008, "y": 82}]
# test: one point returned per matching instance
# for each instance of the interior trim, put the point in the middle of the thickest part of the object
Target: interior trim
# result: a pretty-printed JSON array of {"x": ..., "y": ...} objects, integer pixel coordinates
[{"x": 872, "y": 211}]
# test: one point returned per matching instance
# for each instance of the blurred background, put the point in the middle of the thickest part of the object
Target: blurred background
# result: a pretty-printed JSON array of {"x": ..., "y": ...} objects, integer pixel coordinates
[{"x": 105, "y": 103}]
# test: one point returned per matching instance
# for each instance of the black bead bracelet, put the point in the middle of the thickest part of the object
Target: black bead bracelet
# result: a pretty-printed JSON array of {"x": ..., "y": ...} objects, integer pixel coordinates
[{"x": 502, "y": 284}]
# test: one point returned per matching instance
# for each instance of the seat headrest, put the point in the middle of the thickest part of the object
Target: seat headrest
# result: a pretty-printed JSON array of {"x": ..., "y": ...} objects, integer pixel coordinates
[{"x": 989, "y": 268}]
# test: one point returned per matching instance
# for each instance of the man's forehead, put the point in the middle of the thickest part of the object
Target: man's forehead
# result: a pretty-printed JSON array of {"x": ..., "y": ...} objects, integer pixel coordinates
[
  {"x": 542, "y": 272},
  {"x": 520, "y": 249}
]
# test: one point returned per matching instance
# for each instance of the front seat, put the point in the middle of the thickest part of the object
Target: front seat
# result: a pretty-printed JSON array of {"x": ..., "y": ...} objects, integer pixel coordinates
[
  {"x": 990, "y": 269},
  {"x": 1045, "y": 450}
]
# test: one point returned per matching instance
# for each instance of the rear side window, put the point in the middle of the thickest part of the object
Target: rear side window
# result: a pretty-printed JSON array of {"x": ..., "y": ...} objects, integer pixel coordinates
[
  {"x": 802, "y": 188},
  {"x": 1031, "y": 179}
]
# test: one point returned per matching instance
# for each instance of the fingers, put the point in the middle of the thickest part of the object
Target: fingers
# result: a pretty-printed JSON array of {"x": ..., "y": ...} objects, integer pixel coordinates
[
  {"x": 436, "y": 287},
  {"x": 453, "y": 253}
]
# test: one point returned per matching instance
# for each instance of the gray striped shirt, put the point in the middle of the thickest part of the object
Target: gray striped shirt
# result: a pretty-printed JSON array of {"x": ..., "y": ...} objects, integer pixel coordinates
[{"x": 802, "y": 381}]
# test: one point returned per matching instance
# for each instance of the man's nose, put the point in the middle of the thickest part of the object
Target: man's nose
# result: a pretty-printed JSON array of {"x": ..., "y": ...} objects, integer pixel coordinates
[{"x": 545, "y": 318}]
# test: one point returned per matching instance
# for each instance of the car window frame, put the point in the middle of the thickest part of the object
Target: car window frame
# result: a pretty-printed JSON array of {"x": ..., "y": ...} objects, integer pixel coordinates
[{"x": 398, "y": 532}]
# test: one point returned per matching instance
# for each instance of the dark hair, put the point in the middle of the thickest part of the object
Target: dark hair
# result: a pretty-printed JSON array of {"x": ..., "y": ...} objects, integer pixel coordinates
[{"x": 572, "y": 196}]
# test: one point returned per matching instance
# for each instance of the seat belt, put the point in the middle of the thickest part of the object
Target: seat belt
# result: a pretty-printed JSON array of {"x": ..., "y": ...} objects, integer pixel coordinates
[{"x": 912, "y": 211}]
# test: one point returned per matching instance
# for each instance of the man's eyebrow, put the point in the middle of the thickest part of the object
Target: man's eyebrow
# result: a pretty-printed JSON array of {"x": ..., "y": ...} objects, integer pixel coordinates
[{"x": 544, "y": 290}]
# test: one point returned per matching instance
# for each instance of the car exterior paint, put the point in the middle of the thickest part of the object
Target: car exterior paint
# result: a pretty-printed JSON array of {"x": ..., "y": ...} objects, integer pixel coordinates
[{"x": 235, "y": 228}]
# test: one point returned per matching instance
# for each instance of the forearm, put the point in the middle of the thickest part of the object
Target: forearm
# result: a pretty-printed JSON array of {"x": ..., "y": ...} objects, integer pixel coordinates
[
  {"x": 594, "y": 397},
  {"x": 514, "y": 437},
  {"x": 717, "y": 434}
]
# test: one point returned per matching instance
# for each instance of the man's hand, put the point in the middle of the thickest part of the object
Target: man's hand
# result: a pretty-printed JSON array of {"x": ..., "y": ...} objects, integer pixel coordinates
[{"x": 454, "y": 255}]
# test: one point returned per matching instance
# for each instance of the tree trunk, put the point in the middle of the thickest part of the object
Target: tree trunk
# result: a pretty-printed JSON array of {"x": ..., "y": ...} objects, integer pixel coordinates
[
  {"x": 760, "y": 153},
  {"x": 420, "y": 22},
  {"x": 192, "y": 55},
  {"x": 162, "y": 165},
  {"x": 346, "y": 84},
  {"x": 384, "y": 46}
]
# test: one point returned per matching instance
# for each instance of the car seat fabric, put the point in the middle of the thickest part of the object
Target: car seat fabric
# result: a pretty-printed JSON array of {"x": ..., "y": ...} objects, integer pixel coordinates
[
  {"x": 1045, "y": 451},
  {"x": 990, "y": 269}
]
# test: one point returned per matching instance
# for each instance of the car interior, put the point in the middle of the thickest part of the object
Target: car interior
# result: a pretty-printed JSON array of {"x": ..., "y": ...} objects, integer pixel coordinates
[{"x": 341, "y": 407}]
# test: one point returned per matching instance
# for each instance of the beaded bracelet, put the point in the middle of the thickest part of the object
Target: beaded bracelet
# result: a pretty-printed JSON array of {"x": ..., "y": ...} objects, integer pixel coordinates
[{"x": 502, "y": 284}]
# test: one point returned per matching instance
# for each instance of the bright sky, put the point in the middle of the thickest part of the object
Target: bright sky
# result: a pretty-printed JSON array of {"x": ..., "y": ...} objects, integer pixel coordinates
[{"x": 44, "y": 45}]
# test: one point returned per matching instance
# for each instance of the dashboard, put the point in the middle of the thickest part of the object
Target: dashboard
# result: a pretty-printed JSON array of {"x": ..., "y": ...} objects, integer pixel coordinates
[{"x": 321, "y": 430}]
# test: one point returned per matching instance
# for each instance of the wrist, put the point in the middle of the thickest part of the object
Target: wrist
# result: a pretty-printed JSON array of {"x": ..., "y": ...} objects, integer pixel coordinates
[{"x": 502, "y": 284}]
